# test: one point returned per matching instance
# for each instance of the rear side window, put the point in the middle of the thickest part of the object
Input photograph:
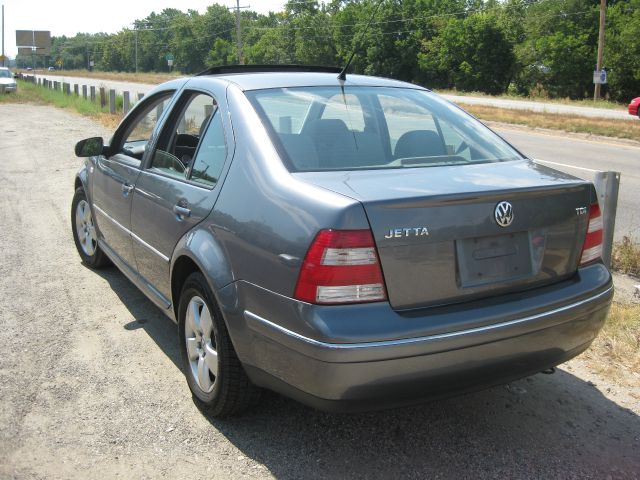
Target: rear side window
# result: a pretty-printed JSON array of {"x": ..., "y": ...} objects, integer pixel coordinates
[
  {"x": 211, "y": 155},
  {"x": 333, "y": 128}
]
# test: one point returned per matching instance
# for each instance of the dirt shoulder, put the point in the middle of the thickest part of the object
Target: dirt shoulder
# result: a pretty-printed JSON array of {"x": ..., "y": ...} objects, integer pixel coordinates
[{"x": 91, "y": 388}]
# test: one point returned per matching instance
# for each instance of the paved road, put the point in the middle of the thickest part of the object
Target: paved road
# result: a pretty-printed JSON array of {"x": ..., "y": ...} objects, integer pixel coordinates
[
  {"x": 573, "y": 151},
  {"x": 621, "y": 114},
  {"x": 90, "y": 378},
  {"x": 497, "y": 102}
]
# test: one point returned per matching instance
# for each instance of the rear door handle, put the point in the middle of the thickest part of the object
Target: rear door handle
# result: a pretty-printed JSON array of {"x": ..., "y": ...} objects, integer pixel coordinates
[
  {"x": 126, "y": 189},
  {"x": 181, "y": 212}
]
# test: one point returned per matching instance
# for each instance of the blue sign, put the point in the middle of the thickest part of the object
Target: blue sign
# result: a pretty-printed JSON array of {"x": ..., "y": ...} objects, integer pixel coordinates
[{"x": 600, "y": 76}]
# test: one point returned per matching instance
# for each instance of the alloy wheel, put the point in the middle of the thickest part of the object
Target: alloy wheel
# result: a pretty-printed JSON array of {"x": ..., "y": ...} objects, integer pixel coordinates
[{"x": 201, "y": 346}]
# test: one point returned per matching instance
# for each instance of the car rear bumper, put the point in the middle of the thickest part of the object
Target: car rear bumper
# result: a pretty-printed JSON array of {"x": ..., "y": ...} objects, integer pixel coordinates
[
  {"x": 530, "y": 332},
  {"x": 8, "y": 88},
  {"x": 633, "y": 108}
]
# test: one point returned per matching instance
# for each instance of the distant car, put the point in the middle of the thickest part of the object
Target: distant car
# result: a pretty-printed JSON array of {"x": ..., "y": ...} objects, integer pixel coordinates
[
  {"x": 7, "y": 82},
  {"x": 351, "y": 242},
  {"x": 634, "y": 107},
  {"x": 52, "y": 69}
]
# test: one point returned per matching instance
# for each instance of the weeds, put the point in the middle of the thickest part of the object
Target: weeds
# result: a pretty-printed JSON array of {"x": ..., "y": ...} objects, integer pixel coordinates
[
  {"x": 628, "y": 129},
  {"x": 32, "y": 93},
  {"x": 120, "y": 76},
  {"x": 616, "y": 350},
  {"x": 626, "y": 257},
  {"x": 540, "y": 95}
]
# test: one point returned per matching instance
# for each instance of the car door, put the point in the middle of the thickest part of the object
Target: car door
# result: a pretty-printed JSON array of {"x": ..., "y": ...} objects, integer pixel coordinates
[
  {"x": 180, "y": 182},
  {"x": 115, "y": 176}
]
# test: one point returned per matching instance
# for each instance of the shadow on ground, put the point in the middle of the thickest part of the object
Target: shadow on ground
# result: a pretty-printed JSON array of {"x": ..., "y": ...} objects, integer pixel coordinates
[{"x": 545, "y": 426}]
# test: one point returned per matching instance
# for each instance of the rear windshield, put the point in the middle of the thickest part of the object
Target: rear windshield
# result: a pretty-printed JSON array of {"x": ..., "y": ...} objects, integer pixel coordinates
[{"x": 333, "y": 128}]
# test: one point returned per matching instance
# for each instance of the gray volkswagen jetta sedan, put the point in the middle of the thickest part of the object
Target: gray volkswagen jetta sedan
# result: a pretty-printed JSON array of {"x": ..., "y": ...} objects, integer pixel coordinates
[{"x": 352, "y": 243}]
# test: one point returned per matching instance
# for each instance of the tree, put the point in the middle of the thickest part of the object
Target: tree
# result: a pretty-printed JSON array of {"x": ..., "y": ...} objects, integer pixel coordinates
[
  {"x": 472, "y": 54},
  {"x": 559, "y": 51},
  {"x": 622, "y": 50}
]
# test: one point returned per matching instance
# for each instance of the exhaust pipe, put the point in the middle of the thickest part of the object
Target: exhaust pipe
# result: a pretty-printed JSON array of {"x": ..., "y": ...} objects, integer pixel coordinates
[{"x": 549, "y": 371}]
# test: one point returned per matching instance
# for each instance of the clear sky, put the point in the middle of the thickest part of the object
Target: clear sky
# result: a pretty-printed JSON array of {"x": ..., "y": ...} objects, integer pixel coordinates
[{"x": 68, "y": 17}]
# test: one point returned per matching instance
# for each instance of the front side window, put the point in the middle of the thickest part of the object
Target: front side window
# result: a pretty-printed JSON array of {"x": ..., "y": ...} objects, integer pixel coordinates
[
  {"x": 140, "y": 129},
  {"x": 373, "y": 127}
]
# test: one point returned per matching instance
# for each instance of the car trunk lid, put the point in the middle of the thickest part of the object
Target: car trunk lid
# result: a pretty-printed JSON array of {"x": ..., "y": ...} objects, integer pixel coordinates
[{"x": 438, "y": 238}]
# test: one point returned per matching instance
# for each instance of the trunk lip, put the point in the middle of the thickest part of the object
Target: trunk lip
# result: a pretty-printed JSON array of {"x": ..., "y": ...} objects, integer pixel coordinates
[{"x": 347, "y": 182}]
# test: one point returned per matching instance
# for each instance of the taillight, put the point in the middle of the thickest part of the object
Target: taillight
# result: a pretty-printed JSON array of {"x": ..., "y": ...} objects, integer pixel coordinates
[
  {"x": 341, "y": 266},
  {"x": 592, "y": 248}
]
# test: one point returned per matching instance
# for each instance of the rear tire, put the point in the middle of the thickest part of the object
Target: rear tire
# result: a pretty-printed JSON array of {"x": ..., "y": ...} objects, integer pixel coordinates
[
  {"x": 84, "y": 232},
  {"x": 210, "y": 364}
]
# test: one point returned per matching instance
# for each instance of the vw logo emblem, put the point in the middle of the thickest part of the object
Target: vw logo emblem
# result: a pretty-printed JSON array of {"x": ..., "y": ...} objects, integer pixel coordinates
[{"x": 504, "y": 214}]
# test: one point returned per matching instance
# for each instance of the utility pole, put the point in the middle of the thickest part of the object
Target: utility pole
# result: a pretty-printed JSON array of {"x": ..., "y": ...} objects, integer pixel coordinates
[
  {"x": 239, "y": 32},
  {"x": 3, "y": 35},
  {"x": 136, "y": 50},
  {"x": 603, "y": 9}
]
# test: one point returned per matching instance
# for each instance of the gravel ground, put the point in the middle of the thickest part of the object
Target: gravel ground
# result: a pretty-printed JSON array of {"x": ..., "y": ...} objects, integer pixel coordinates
[{"x": 90, "y": 385}]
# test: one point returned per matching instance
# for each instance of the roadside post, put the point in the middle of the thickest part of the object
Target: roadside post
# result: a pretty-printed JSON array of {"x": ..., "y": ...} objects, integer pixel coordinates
[
  {"x": 125, "y": 102},
  {"x": 92, "y": 93},
  {"x": 607, "y": 186},
  {"x": 103, "y": 97},
  {"x": 112, "y": 101},
  {"x": 84, "y": 92}
]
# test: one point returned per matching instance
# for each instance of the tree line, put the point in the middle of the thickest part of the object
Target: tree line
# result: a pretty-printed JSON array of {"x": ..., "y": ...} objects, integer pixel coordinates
[{"x": 543, "y": 48}]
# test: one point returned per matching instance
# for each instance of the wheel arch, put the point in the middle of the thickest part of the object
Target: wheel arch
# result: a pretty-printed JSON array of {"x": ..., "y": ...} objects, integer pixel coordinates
[
  {"x": 82, "y": 180},
  {"x": 201, "y": 251}
]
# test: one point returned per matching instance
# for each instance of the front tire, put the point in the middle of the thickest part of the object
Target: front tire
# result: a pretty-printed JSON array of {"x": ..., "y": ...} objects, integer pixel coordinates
[
  {"x": 84, "y": 232},
  {"x": 214, "y": 373}
]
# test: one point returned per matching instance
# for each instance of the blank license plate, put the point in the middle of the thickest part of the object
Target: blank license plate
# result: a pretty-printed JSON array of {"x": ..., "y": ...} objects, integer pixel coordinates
[{"x": 495, "y": 259}]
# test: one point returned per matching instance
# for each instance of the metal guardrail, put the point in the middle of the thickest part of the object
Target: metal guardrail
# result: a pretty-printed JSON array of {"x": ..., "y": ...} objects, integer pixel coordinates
[
  {"x": 607, "y": 187},
  {"x": 106, "y": 97}
]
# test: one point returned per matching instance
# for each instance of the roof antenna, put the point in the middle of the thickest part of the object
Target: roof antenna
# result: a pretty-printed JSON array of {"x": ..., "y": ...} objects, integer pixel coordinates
[{"x": 343, "y": 73}]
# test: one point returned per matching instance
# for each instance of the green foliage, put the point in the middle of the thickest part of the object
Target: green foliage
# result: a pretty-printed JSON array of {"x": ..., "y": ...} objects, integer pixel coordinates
[
  {"x": 622, "y": 49},
  {"x": 471, "y": 54},
  {"x": 528, "y": 47},
  {"x": 559, "y": 50}
]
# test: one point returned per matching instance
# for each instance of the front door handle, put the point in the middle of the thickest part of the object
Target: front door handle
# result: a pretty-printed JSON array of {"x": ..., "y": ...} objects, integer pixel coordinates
[
  {"x": 126, "y": 189},
  {"x": 181, "y": 212}
]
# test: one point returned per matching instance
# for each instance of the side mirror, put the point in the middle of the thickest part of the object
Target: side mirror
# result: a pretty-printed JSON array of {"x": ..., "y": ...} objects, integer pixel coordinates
[{"x": 90, "y": 147}]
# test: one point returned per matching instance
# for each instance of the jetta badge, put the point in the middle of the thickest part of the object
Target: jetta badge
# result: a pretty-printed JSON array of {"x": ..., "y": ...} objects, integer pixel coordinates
[
  {"x": 504, "y": 214},
  {"x": 407, "y": 232}
]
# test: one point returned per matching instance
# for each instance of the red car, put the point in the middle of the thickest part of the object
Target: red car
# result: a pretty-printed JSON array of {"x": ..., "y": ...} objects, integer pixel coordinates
[{"x": 634, "y": 107}]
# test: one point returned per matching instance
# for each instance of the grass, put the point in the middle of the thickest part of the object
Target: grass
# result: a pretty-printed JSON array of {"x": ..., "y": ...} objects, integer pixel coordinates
[
  {"x": 626, "y": 257},
  {"x": 627, "y": 129},
  {"x": 34, "y": 94},
  {"x": 563, "y": 101},
  {"x": 616, "y": 351}
]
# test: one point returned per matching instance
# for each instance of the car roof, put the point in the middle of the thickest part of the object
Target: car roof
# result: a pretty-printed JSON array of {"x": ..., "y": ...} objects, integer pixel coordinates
[{"x": 257, "y": 77}]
